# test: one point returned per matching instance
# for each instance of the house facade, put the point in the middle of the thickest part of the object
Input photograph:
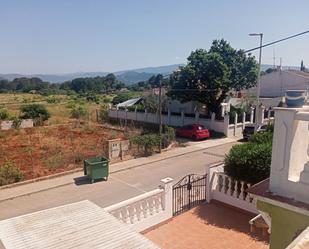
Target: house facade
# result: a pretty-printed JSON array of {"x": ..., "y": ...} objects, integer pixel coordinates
[
  {"x": 283, "y": 199},
  {"x": 275, "y": 84}
]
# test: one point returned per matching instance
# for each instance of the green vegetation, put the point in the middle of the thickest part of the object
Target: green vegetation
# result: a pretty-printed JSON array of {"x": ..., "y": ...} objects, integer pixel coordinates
[
  {"x": 251, "y": 161},
  {"x": 9, "y": 173},
  {"x": 4, "y": 114},
  {"x": 37, "y": 112},
  {"x": 147, "y": 141},
  {"x": 210, "y": 75},
  {"x": 78, "y": 111}
]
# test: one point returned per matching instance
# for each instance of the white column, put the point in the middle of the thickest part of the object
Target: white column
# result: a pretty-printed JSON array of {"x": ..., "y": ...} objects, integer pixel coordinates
[
  {"x": 243, "y": 120},
  {"x": 226, "y": 124},
  {"x": 235, "y": 123},
  {"x": 168, "y": 190},
  {"x": 252, "y": 115}
]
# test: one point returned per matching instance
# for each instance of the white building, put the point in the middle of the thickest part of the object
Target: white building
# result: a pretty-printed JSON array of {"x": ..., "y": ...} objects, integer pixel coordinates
[{"x": 276, "y": 83}]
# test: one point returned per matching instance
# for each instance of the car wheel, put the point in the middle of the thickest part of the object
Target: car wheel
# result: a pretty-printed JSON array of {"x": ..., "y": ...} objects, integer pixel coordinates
[{"x": 194, "y": 137}]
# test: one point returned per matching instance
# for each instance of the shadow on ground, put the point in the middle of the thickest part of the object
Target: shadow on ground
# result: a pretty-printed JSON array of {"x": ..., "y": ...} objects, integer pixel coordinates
[{"x": 219, "y": 215}]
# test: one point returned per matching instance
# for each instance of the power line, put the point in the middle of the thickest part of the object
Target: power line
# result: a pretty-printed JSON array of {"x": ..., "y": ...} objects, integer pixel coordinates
[{"x": 271, "y": 43}]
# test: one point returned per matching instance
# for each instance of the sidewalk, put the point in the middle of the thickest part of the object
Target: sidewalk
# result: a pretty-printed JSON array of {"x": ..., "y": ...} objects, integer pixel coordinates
[{"x": 26, "y": 189}]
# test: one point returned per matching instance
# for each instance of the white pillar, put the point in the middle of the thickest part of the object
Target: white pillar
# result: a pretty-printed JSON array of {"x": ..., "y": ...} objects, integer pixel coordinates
[
  {"x": 168, "y": 190},
  {"x": 252, "y": 115},
  {"x": 235, "y": 123},
  {"x": 226, "y": 122},
  {"x": 243, "y": 120}
]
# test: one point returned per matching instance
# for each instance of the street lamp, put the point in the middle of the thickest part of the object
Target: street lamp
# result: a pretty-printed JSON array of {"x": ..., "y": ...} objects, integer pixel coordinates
[{"x": 259, "y": 70}]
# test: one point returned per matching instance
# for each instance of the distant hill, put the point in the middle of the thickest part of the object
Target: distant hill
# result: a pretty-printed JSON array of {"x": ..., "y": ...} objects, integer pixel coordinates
[{"x": 126, "y": 76}]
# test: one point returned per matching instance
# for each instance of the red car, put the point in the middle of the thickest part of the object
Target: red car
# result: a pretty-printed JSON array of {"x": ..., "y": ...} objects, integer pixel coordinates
[{"x": 194, "y": 131}]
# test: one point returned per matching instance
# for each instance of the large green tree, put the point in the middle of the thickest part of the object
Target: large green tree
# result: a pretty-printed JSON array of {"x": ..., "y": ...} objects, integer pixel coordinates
[{"x": 210, "y": 75}]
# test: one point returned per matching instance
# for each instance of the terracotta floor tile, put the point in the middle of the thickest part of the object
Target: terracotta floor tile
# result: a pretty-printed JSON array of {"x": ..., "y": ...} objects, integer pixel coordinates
[{"x": 212, "y": 226}]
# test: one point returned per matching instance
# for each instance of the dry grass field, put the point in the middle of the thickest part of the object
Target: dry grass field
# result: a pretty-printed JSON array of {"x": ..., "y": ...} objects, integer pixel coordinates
[{"x": 61, "y": 144}]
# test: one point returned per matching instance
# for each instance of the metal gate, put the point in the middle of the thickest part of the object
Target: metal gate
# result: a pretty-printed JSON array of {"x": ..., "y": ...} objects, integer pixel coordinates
[{"x": 189, "y": 192}]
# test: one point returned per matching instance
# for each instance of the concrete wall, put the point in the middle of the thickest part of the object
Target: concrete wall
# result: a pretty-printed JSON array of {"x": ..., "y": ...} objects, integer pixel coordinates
[
  {"x": 169, "y": 119},
  {"x": 8, "y": 124},
  {"x": 275, "y": 84}
]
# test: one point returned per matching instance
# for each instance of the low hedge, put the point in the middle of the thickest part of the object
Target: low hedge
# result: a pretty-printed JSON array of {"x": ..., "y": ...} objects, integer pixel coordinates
[{"x": 250, "y": 162}]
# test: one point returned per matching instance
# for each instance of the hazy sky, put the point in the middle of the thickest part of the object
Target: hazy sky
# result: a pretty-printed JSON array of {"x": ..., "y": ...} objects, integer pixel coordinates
[{"x": 62, "y": 36}]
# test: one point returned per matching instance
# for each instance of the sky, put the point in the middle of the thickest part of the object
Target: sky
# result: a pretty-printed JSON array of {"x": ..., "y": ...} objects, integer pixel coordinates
[{"x": 65, "y": 36}]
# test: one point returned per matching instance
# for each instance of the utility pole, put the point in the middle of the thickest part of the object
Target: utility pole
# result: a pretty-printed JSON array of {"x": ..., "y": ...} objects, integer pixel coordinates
[
  {"x": 160, "y": 115},
  {"x": 259, "y": 75}
]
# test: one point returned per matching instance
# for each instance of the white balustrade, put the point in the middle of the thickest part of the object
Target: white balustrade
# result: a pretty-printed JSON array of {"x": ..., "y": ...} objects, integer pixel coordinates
[
  {"x": 228, "y": 190},
  {"x": 145, "y": 210}
]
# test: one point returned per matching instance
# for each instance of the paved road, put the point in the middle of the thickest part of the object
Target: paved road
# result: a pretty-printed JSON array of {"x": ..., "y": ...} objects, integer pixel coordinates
[{"x": 120, "y": 186}]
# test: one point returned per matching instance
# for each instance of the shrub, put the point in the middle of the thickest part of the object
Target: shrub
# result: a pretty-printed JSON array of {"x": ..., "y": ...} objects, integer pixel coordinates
[
  {"x": 103, "y": 113},
  {"x": 147, "y": 142},
  {"x": 9, "y": 173},
  {"x": 168, "y": 136},
  {"x": 78, "y": 111},
  {"x": 251, "y": 161},
  {"x": 260, "y": 138},
  {"x": 37, "y": 112},
  {"x": 16, "y": 122},
  {"x": 4, "y": 114}
]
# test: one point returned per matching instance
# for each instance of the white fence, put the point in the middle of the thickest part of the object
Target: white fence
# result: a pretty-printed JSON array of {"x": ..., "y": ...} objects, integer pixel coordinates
[
  {"x": 169, "y": 119},
  {"x": 222, "y": 126},
  {"x": 225, "y": 189},
  {"x": 146, "y": 210}
]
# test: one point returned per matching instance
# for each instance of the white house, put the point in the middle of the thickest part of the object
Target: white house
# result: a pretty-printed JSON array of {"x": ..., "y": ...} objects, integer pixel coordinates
[{"x": 276, "y": 83}]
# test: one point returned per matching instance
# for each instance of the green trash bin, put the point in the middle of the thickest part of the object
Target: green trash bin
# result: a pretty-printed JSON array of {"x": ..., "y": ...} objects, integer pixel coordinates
[{"x": 96, "y": 168}]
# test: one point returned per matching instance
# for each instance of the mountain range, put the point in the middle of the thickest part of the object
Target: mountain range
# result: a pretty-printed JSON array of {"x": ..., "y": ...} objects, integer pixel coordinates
[{"x": 127, "y": 76}]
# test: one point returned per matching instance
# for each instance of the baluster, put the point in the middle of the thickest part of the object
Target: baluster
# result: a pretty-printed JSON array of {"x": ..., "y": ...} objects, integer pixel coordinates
[
  {"x": 235, "y": 194},
  {"x": 247, "y": 196},
  {"x": 241, "y": 195},
  {"x": 218, "y": 186},
  {"x": 131, "y": 213},
  {"x": 124, "y": 214},
  {"x": 230, "y": 191},
  {"x": 162, "y": 201},
  {"x": 151, "y": 205},
  {"x": 138, "y": 210},
  {"x": 145, "y": 208},
  {"x": 156, "y": 199},
  {"x": 223, "y": 184}
]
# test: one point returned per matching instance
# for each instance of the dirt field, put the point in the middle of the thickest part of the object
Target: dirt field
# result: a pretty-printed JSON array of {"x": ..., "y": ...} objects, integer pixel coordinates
[{"x": 51, "y": 149}]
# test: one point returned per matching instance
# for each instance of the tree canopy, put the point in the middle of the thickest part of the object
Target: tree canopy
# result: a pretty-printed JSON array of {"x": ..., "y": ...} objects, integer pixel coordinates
[{"x": 210, "y": 75}]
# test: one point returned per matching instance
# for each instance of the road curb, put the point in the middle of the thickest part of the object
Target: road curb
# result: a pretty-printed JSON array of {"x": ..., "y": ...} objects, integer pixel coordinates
[{"x": 80, "y": 170}]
